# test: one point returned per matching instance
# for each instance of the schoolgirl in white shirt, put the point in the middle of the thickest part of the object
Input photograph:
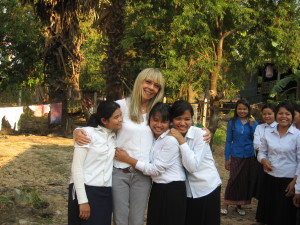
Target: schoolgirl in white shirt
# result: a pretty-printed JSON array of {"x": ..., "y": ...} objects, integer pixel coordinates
[
  {"x": 279, "y": 154},
  {"x": 167, "y": 201},
  {"x": 203, "y": 182},
  {"x": 268, "y": 116},
  {"x": 90, "y": 194}
]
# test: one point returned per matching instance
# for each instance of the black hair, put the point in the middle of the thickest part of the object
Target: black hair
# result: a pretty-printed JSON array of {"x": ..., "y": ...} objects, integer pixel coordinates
[
  {"x": 179, "y": 108},
  {"x": 160, "y": 108},
  {"x": 297, "y": 108},
  {"x": 243, "y": 102},
  {"x": 104, "y": 110},
  {"x": 288, "y": 105},
  {"x": 269, "y": 106}
]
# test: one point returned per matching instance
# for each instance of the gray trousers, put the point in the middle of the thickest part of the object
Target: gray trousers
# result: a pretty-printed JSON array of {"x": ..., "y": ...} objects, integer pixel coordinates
[{"x": 130, "y": 197}]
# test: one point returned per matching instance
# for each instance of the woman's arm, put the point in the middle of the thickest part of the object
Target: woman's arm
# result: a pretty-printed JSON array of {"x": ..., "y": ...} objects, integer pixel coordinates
[
  {"x": 207, "y": 135},
  {"x": 163, "y": 159},
  {"x": 80, "y": 137},
  {"x": 257, "y": 138},
  {"x": 78, "y": 178},
  {"x": 122, "y": 156},
  {"x": 191, "y": 158},
  {"x": 262, "y": 156}
]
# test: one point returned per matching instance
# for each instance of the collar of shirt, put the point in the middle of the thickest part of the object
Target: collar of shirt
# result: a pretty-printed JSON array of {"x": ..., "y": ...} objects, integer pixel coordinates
[
  {"x": 292, "y": 129},
  {"x": 272, "y": 125},
  {"x": 164, "y": 134},
  {"x": 105, "y": 130},
  {"x": 190, "y": 134}
]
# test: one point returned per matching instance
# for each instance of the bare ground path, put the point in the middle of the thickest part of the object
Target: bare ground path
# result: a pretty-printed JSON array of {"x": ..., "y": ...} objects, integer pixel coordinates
[{"x": 41, "y": 165}]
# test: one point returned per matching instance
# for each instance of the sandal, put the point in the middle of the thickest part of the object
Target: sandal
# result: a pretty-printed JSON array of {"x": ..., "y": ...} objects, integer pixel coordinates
[
  {"x": 224, "y": 211},
  {"x": 240, "y": 211}
]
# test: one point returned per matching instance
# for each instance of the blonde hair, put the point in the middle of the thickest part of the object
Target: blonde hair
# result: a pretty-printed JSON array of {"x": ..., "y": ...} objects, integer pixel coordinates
[{"x": 154, "y": 75}]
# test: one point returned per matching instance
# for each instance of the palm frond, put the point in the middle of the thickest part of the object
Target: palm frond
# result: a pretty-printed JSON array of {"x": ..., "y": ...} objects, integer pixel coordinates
[{"x": 280, "y": 85}]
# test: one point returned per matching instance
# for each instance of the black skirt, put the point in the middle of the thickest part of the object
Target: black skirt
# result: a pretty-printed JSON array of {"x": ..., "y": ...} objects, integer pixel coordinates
[
  {"x": 274, "y": 208},
  {"x": 204, "y": 210},
  {"x": 100, "y": 201},
  {"x": 167, "y": 204}
]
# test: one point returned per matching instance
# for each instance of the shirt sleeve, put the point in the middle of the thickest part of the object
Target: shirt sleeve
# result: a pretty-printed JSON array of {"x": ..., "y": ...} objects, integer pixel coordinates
[
  {"x": 297, "y": 185},
  {"x": 257, "y": 138},
  {"x": 192, "y": 158},
  {"x": 89, "y": 135},
  {"x": 263, "y": 149},
  {"x": 229, "y": 139},
  {"x": 163, "y": 160},
  {"x": 77, "y": 173}
]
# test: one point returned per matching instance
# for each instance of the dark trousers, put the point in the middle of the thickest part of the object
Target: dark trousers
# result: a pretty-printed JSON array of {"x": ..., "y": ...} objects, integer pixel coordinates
[
  {"x": 204, "y": 210},
  {"x": 100, "y": 201},
  {"x": 167, "y": 204}
]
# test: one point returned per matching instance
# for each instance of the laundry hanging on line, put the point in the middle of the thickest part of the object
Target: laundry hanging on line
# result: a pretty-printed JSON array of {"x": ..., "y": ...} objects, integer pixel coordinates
[{"x": 12, "y": 115}]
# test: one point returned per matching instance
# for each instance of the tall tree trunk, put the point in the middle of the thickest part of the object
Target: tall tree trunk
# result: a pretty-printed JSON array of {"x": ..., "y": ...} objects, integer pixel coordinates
[
  {"x": 62, "y": 53},
  {"x": 115, "y": 63}
]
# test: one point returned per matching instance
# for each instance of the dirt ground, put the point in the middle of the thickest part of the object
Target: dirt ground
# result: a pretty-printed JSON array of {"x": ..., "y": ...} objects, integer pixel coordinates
[{"x": 39, "y": 166}]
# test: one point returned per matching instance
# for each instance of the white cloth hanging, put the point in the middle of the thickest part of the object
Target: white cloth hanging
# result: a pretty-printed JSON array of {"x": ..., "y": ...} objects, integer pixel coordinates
[{"x": 12, "y": 115}]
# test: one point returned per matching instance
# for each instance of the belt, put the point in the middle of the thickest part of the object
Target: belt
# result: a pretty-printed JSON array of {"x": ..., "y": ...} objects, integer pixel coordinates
[{"x": 128, "y": 169}]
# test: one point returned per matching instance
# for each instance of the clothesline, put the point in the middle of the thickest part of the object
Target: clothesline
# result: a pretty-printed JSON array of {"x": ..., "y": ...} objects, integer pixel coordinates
[{"x": 13, "y": 114}]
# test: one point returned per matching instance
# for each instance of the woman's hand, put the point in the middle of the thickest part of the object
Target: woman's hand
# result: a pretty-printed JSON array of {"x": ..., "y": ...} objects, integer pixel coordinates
[
  {"x": 290, "y": 189},
  {"x": 84, "y": 211},
  {"x": 266, "y": 165},
  {"x": 207, "y": 136},
  {"x": 122, "y": 155},
  {"x": 296, "y": 200},
  {"x": 227, "y": 165},
  {"x": 251, "y": 121},
  {"x": 80, "y": 137},
  {"x": 176, "y": 134}
]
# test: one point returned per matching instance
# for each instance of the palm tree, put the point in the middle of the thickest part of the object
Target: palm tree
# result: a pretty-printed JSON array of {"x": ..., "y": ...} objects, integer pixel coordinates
[
  {"x": 281, "y": 84},
  {"x": 63, "y": 38}
]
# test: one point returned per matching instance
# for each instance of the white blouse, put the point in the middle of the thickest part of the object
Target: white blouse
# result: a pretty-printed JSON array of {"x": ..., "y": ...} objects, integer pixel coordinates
[
  {"x": 135, "y": 138},
  {"x": 202, "y": 174},
  {"x": 259, "y": 133},
  {"x": 93, "y": 163},
  {"x": 165, "y": 164},
  {"x": 282, "y": 152}
]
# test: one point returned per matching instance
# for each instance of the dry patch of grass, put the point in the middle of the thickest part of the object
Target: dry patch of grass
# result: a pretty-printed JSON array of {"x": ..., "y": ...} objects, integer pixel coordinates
[{"x": 40, "y": 166}]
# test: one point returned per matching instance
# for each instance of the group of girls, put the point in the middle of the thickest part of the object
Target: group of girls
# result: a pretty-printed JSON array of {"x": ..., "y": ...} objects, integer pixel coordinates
[
  {"x": 277, "y": 144},
  {"x": 186, "y": 184}
]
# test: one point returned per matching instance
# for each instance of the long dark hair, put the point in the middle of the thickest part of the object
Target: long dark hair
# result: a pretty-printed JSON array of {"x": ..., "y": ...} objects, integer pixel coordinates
[
  {"x": 104, "y": 110},
  {"x": 243, "y": 102}
]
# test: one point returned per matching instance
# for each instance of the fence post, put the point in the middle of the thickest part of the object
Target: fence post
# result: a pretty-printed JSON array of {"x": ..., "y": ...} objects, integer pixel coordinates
[{"x": 20, "y": 98}]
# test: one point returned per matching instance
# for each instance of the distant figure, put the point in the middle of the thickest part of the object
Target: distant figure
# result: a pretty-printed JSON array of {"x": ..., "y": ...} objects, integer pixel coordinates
[
  {"x": 268, "y": 115},
  {"x": 239, "y": 158}
]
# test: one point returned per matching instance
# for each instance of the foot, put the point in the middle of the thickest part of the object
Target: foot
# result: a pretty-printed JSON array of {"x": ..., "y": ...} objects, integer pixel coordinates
[
  {"x": 240, "y": 211},
  {"x": 224, "y": 212}
]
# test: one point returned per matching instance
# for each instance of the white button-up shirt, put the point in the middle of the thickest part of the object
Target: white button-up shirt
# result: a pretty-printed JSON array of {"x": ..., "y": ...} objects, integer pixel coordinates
[
  {"x": 282, "y": 152},
  {"x": 202, "y": 174},
  {"x": 259, "y": 133},
  {"x": 93, "y": 163},
  {"x": 135, "y": 138},
  {"x": 165, "y": 165}
]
